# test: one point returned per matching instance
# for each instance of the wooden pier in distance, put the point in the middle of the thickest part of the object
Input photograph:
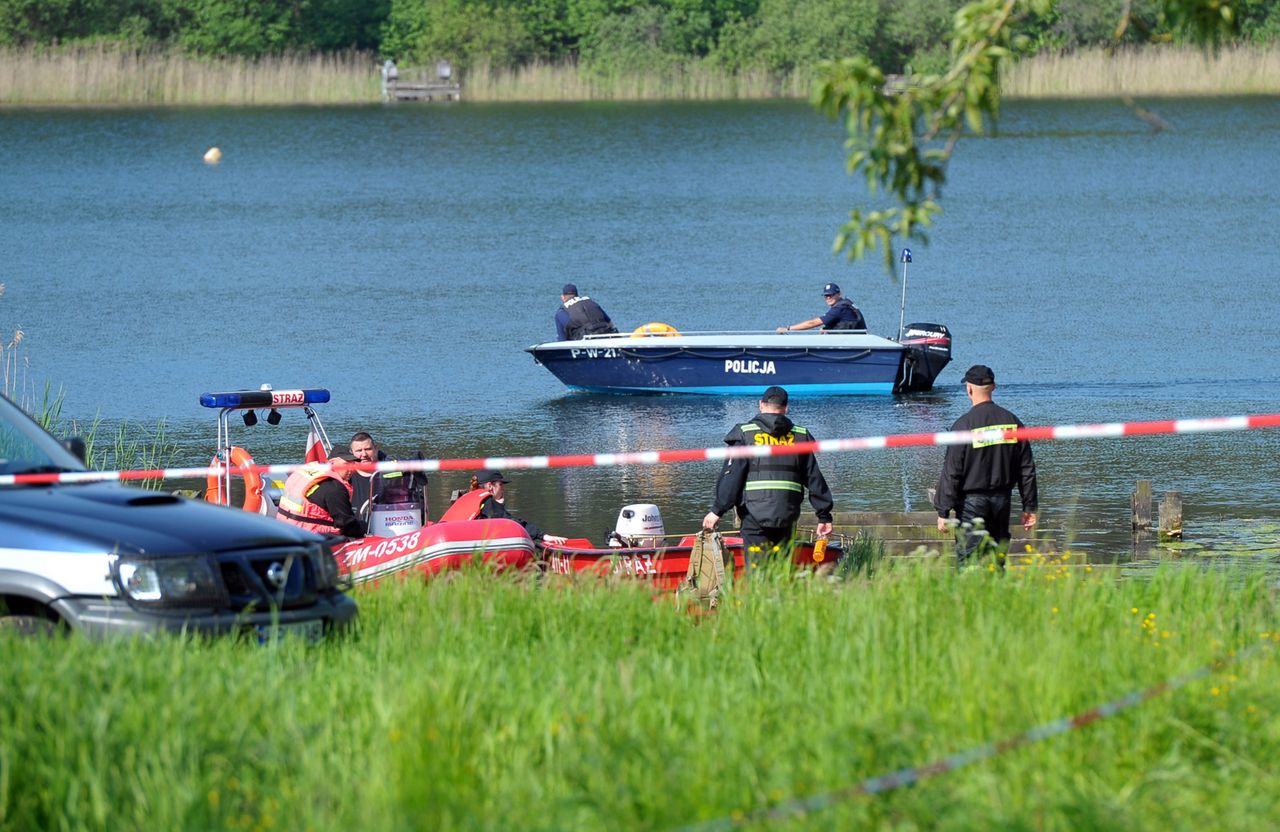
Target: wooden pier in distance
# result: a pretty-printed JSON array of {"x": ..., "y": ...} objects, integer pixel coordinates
[{"x": 423, "y": 91}]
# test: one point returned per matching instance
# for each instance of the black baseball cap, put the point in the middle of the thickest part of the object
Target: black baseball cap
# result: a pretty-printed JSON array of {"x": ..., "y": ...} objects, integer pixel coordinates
[
  {"x": 569, "y": 289},
  {"x": 980, "y": 374},
  {"x": 830, "y": 289},
  {"x": 342, "y": 456},
  {"x": 774, "y": 395},
  {"x": 491, "y": 476}
]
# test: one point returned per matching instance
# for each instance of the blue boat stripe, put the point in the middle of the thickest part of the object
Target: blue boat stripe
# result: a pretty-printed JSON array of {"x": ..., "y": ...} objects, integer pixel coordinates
[{"x": 852, "y": 388}]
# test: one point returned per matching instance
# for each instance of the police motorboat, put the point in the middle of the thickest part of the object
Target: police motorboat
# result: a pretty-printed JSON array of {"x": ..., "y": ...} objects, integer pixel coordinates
[
  {"x": 401, "y": 536},
  {"x": 658, "y": 358},
  {"x": 833, "y": 362},
  {"x": 639, "y": 547}
]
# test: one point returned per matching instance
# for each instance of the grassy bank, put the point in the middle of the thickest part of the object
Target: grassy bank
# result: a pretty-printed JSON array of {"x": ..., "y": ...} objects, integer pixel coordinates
[
  {"x": 98, "y": 75},
  {"x": 486, "y": 703}
]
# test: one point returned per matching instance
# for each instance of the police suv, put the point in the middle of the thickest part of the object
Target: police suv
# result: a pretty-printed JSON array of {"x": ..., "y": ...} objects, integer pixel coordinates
[{"x": 103, "y": 558}]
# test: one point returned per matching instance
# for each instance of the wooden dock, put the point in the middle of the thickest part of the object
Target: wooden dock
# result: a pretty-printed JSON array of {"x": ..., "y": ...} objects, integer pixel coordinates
[
  {"x": 423, "y": 91},
  {"x": 916, "y": 532}
]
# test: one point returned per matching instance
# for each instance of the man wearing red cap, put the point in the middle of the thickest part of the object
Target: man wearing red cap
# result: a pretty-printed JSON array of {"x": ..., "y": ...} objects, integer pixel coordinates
[{"x": 978, "y": 478}]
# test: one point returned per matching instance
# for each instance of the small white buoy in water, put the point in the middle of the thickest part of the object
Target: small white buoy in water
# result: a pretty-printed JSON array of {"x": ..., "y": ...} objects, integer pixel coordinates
[{"x": 212, "y": 156}]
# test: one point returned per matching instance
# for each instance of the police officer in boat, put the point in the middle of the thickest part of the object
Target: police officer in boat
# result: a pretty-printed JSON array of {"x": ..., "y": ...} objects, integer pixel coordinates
[
  {"x": 767, "y": 491},
  {"x": 840, "y": 314},
  {"x": 579, "y": 316},
  {"x": 495, "y": 507}
]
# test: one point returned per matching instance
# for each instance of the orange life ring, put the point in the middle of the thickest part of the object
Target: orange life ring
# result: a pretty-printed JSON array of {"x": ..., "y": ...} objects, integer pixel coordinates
[
  {"x": 252, "y": 481},
  {"x": 655, "y": 328}
]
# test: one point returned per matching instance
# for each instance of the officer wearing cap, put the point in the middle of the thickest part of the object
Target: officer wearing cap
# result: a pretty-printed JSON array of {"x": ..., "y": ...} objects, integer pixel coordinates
[
  {"x": 579, "y": 316},
  {"x": 767, "y": 491},
  {"x": 495, "y": 507},
  {"x": 978, "y": 478},
  {"x": 319, "y": 500},
  {"x": 840, "y": 314}
]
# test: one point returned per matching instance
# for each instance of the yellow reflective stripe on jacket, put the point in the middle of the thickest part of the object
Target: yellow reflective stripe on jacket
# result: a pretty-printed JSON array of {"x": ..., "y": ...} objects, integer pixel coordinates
[
  {"x": 995, "y": 440},
  {"x": 773, "y": 485}
]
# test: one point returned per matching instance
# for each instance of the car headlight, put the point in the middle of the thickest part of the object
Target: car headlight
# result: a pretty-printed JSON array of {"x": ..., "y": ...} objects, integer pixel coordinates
[
  {"x": 326, "y": 568},
  {"x": 169, "y": 582}
]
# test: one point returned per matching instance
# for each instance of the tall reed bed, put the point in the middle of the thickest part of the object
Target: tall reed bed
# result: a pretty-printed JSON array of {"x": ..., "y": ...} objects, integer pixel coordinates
[
  {"x": 687, "y": 80},
  {"x": 1163, "y": 71},
  {"x": 110, "y": 75},
  {"x": 101, "y": 74},
  {"x": 483, "y": 702}
]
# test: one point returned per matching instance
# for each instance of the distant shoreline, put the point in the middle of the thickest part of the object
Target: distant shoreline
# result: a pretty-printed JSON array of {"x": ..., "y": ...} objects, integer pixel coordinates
[{"x": 100, "y": 76}]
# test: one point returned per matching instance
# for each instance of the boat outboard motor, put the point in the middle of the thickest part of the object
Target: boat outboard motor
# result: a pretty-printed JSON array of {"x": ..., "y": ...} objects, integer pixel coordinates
[
  {"x": 928, "y": 350},
  {"x": 639, "y": 525},
  {"x": 391, "y": 519}
]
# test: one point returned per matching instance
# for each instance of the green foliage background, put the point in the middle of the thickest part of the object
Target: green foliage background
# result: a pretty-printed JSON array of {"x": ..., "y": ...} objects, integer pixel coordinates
[{"x": 605, "y": 36}]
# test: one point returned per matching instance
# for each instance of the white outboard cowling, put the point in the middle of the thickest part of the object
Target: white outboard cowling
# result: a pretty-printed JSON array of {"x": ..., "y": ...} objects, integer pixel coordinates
[
  {"x": 639, "y": 524},
  {"x": 391, "y": 519}
]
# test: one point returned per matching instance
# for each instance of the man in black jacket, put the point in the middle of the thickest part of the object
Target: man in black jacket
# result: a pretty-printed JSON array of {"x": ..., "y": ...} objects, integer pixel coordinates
[
  {"x": 580, "y": 316},
  {"x": 495, "y": 507},
  {"x": 978, "y": 478},
  {"x": 840, "y": 314},
  {"x": 767, "y": 491}
]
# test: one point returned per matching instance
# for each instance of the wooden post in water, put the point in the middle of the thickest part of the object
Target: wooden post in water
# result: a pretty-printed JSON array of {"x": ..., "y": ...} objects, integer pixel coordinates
[
  {"x": 1171, "y": 516},
  {"x": 1140, "y": 501}
]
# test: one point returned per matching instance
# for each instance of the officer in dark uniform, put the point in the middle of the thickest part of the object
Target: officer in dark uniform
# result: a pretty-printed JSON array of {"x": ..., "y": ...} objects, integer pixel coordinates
[
  {"x": 495, "y": 507},
  {"x": 840, "y": 314},
  {"x": 768, "y": 490},
  {"x": 977, "y": 479},
  {"x": 579, "y": 316}
]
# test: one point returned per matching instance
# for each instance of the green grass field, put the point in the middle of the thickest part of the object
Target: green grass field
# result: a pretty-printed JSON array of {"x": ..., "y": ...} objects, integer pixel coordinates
[{"x": 492, "y": 702}]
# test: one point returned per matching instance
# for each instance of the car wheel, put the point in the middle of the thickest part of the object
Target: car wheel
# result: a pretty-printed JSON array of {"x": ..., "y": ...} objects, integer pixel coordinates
[{"x": 29, "y": 625}]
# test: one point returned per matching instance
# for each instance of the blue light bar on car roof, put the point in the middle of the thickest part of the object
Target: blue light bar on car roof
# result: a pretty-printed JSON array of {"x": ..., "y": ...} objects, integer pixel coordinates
[{"x": 249, "y": 399}]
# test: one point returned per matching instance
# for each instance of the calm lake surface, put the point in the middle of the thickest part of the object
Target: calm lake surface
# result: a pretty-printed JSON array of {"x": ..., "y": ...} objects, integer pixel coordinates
[{"x": 404, "y": 256}]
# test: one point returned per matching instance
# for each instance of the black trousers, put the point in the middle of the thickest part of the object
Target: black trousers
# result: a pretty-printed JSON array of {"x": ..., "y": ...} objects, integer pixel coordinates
[
  {"x": 990, "y": 507},
  {"x": 762, "y": 543}
]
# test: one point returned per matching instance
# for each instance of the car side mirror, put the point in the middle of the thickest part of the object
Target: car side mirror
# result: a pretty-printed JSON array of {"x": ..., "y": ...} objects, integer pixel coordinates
[{"x": 75, "y": 445}]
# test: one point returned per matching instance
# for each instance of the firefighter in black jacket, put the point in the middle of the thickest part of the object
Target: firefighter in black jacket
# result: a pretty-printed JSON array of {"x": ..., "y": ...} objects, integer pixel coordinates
[
  {"x": 978, "y": 478},
  {"x": 768, "y": 490}
]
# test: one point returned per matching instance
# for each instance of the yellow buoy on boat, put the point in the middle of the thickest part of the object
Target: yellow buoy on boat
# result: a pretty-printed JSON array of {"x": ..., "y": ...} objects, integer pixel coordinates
[
  {"x": 654, "y": 328},
  {"x": 212, "y": 156}
]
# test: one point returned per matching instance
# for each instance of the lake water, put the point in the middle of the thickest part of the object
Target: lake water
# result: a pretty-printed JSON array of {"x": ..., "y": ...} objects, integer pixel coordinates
[{"x": 404, "y": 256}]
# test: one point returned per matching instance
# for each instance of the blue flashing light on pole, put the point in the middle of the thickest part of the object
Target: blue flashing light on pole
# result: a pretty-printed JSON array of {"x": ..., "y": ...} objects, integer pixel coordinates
[{"x": 265, "y": 398}]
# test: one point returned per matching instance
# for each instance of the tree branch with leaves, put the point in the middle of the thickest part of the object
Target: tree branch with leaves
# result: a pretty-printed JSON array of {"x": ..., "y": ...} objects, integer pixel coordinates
[{"x": 902, "y": 140}]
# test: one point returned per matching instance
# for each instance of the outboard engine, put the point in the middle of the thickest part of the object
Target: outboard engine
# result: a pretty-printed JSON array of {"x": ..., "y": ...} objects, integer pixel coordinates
[
  {"x": 928, "y": 350},
  {"x": 392, "y": 519},
  {"x": 639, "y": 525}
]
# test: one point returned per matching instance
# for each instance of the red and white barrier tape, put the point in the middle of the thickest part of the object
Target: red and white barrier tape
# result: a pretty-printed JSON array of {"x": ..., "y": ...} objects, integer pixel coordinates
[
  {"x": 911, "y": 776},
  {"x": 1111, "y": 430}
]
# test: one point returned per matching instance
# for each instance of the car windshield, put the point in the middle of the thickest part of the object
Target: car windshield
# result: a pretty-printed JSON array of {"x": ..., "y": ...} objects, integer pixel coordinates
[{"x": 25, "y": 447}]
